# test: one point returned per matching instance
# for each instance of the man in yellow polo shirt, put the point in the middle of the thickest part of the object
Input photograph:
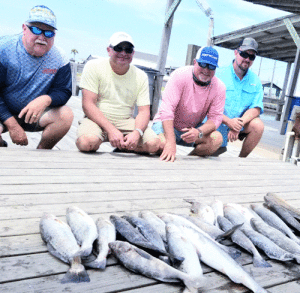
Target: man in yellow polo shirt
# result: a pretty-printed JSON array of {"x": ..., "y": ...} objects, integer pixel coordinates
[{"x": 110, "y": 90}]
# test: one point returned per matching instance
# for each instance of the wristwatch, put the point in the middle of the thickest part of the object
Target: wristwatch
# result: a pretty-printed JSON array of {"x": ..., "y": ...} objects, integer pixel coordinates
[
  {"x": 200, "y": 133},
  {"x": 140, "y": 131}
]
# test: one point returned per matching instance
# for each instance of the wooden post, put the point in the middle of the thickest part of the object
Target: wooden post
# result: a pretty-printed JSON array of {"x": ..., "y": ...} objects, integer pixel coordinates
[
  {"x": 74, "y": 77},
  {"x": 288, "y": 102},
  {"x": 191, "y": 54},
  {"x": 271, "y": 84},
  {"x": 285, "y": 83},
  {"x": 162, "y": 58}
]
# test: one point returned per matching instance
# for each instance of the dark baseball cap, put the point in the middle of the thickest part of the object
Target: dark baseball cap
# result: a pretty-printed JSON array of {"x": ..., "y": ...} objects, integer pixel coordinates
[{"x": 248, "y": 44}]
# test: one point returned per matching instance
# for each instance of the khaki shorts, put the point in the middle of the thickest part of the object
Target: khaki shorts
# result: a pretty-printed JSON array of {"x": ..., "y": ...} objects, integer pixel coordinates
[{"x": 87, "y": 126}]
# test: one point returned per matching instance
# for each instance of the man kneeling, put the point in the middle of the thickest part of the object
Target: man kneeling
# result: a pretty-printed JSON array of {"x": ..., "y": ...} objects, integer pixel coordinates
[{"x": 191, "y": 94}]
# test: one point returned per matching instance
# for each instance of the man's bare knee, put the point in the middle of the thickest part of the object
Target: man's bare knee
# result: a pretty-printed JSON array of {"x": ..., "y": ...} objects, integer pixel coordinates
[
  {"x": 88, "y": 143},
  {"x": 153, "y": 145}
]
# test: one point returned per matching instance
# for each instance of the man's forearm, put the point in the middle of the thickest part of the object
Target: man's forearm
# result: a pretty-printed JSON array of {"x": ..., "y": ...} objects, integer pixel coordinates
[
  {"x": 11, "y": 123},
  {"x": 142, "y": 120},
  {"x": 250, "y": 114},
  {"x": 169, "y": 133},
  {"x": 208, "y": 127}
]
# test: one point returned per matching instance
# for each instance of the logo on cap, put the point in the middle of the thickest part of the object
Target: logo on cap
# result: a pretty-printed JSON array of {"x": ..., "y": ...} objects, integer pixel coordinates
[{"x": 208, "y": 55}]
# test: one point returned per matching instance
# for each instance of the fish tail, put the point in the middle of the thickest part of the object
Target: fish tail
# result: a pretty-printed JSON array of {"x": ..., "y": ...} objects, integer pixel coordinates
[
  {"x": 76, "y": 274},
  {"x": 234, "y": 253},
  {"x": 97, "y": 264},
  {"x": 192, "y": 285},
  {"x": 259, "y": 262}
]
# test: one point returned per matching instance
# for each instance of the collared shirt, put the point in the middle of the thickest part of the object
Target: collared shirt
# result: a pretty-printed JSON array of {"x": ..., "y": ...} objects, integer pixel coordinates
[
  {"x": 241, "y": 95},
  {"x": 24, "y": 77},
  {"x": 117, "y": 94},
  {"x": 187, "y": 103}
]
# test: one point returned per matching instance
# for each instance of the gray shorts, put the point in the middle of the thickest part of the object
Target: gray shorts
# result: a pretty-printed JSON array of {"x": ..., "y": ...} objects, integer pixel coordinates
[{"x": 33, "y": 127}]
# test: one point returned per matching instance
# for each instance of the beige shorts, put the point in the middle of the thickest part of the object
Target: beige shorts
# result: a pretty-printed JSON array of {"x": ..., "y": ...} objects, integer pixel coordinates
[{"x": 87, "y": 126}]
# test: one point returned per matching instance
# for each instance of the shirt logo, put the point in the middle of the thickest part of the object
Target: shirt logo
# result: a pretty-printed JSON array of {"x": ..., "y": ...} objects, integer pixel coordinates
[{"x": 49, "y": 71}]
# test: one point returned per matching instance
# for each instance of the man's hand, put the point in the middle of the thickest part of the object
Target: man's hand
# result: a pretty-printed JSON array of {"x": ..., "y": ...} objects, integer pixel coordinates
[
  {"x": 131, "y": 140},
  {"x": 35, "y": 109},
  {"x": 18, "y": 135},
  {"x": 236, "y": 124},
  {"x": 191, "y": 135},
  {"x": 116, "y": 138},
  {"x": 169, "y": 152},
  {"x": 233, "y": 135}
]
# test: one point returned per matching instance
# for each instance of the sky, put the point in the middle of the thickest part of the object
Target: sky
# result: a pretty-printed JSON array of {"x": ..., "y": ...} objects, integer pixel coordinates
[{"x": 86, "y": 25}]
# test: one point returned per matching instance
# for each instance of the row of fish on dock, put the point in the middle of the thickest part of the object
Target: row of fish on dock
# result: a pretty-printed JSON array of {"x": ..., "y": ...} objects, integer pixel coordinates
[{"x": 170, "y": 247}]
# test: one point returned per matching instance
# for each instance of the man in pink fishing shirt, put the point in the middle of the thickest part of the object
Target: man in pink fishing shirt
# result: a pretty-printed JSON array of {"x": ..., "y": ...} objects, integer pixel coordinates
[{"x": 191, "y": 94}]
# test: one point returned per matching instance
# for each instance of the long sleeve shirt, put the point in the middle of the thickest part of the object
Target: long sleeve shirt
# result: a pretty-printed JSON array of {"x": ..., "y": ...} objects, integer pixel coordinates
[{"x": 24, "y": 77}]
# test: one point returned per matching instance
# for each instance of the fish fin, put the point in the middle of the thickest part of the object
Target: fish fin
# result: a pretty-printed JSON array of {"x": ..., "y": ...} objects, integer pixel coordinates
[
  {"x": 143, "y": 253},
  {"x": 90, "y": 258},
  {"x": 176, "y": 260},
  {"x": 76, "y": 274},
  {"x": 228, "y": 233},
  {"x": 191, "y": 201},
  {"x": 259, "y": 262},
  {"x": 233, "y": 252},
  {"x": 96, "y": 264}
]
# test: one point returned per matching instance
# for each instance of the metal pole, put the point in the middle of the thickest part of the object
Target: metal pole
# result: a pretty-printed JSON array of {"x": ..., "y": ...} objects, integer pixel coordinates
[
  {"x": 162, "y": 58},
  {"x": 285, "y": 83},
  {"x": 259, "y": 66},
  {"x": 288, "y": 102},
  {"x": 271, "y": 85}
]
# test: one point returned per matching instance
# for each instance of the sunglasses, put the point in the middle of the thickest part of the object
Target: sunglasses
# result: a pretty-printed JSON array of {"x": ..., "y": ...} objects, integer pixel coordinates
[
  {"x": 37, "y": 31},
  {"x": 209, "y": 66},
  {"x": 119, "y": 49},
  {"x": 245, "y": 55}
]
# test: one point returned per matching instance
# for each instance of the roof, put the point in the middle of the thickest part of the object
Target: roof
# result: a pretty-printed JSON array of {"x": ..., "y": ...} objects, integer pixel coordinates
[
  {"x": 273, "y": 37},
  {"x": 292, "y": 6},
  {"x": 266, "y": 83}
]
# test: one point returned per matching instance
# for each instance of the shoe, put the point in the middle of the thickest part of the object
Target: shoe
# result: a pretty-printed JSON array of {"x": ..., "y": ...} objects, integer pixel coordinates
[
  {"x": 219, "y": 151},
  {"x": 3, "y": 143}
]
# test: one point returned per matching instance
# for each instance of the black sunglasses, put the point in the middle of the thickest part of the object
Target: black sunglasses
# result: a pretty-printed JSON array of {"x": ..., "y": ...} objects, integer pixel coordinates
[
  {"x": 209, "y": 66},
  {"x": 37, "y": 31},
  {"x": 246, "y": 55},
  {"x": 119, "y": 49}
]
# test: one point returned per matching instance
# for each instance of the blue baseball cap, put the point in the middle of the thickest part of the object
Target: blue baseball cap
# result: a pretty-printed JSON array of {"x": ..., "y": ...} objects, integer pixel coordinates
[
  {"x": 42, "y": 14},
  {"x": 208, "y": 55}
]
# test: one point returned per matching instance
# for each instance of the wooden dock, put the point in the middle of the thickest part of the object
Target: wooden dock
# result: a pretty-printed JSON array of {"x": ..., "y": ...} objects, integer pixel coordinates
[{"x": 104, "y": 183}]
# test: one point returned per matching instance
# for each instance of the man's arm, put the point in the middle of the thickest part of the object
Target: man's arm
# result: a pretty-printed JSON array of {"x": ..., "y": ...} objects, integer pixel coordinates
[
  {"x": 169, "y": 151},
  {"x": 250, "y": 114},
  {"x": 141, "y": 122},
  {"x": 61, "y": 87},
  {"x": 89, "y": 105}
]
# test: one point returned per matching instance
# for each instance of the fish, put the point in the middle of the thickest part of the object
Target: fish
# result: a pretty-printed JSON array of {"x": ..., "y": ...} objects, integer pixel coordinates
[
  {"x": 181, "y": 221},
  {"x": 83, "y": 228},
  {"x": 146, "y": 230},
  {"x": 62, "y": 244},
  {"x": 217, "y": 207},
  {"x": 215, "y": 257},
  {"x": 156, "y": 223},
  {"x": 180, "y": 246},
  {"x": 271, "y": 249},
  {"x": 141, "y": 262},
  {"x": 276, "y": 236},
  {"x": 247, "y": 213},
  {"x": 284, "y": 214},
  {"x": 274, "y": 198},
  {"x": 106, "y": 234},
  {"x": 273, "y": 220},
  {"x": 132, "y": 235},
  {"x": 262, "y": 242},
  {"x": 210, "y": 229},
  {"x": 242, "y": 240},
  {"x": 203, "y": 211}
]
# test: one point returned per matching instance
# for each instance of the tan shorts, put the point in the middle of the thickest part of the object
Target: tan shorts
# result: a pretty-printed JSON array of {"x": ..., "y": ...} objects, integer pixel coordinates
[{"x": 87, "y": 126}]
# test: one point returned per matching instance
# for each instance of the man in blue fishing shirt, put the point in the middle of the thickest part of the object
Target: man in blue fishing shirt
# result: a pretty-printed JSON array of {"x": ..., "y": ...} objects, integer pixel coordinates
[
  {"x": 35, "y": 82},
  {"x": 244, "y": 99}
]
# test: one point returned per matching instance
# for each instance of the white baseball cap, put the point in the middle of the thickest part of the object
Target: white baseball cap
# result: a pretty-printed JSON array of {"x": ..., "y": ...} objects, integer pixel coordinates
[{"x": 120, "y": 37}]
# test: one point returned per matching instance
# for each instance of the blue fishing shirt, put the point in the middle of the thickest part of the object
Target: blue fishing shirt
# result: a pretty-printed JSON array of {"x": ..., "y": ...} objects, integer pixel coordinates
[
  {"x": 241, "y": 95},
  {"x": 23, "y": 77}
]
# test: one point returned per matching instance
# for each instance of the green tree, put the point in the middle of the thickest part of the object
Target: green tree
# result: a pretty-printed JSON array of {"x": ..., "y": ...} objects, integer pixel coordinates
[{"x": 74, "y": 52}]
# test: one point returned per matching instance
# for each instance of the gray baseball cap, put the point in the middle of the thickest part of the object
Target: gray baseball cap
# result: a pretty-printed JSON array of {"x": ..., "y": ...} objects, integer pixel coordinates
[
  {"x": 249, "y": 44},
  {"x": 42, "y": 14}
]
